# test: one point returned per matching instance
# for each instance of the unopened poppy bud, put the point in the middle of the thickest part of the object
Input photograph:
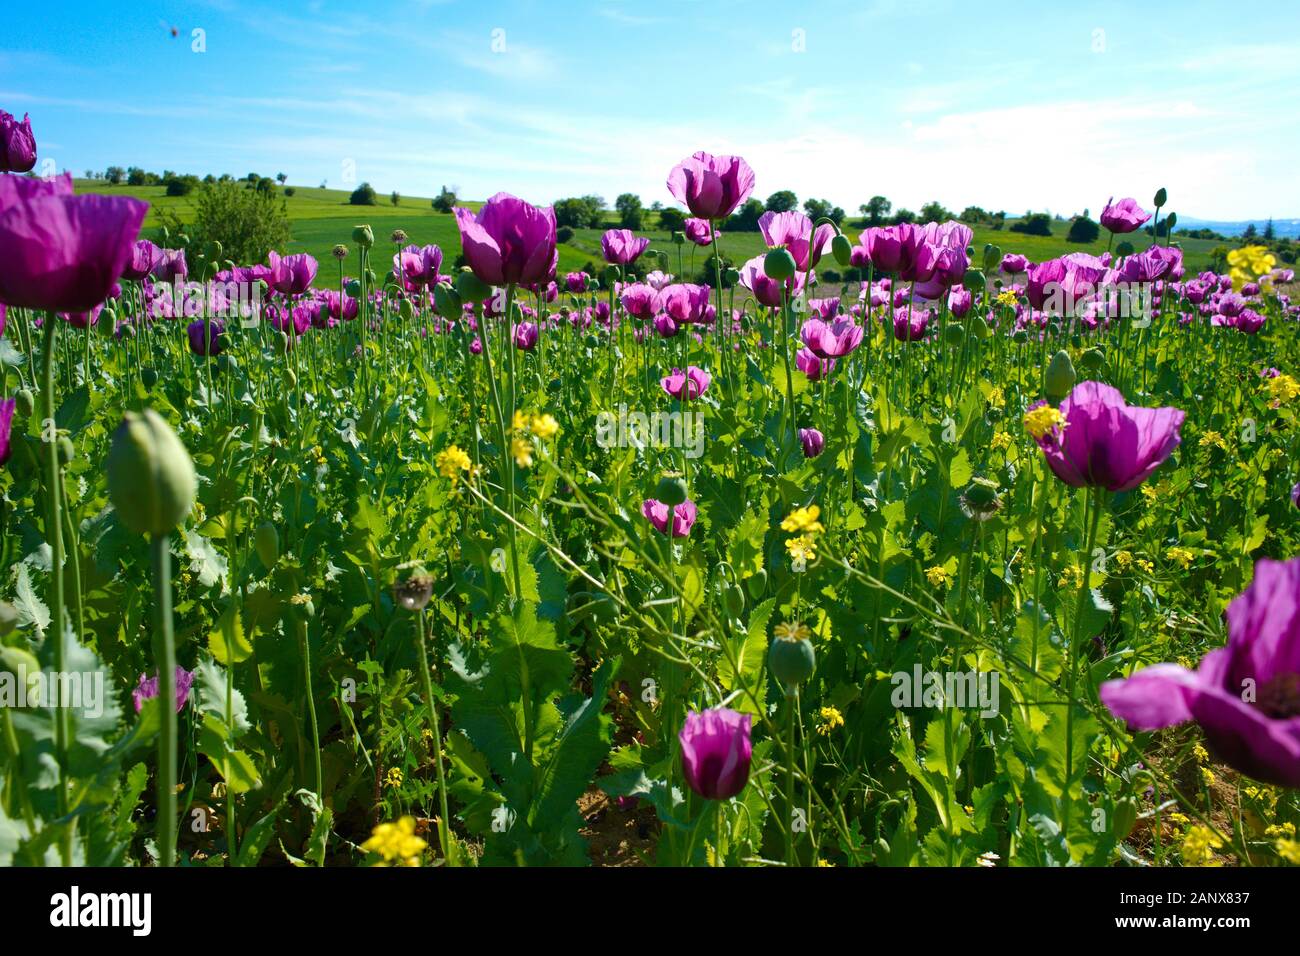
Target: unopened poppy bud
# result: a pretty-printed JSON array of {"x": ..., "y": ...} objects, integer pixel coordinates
[
  {"x": 151, "y": 480},
  {"x": 406, "y": 310},
  {"x": 22, "y": 664},
  {"x": 954, "y": 334},
  {"x": 25, "y": 402},
  {"x": 779, "y": 264},
  {"x": 339, "y": 251},
  {"x": 1161, "y": 197},
  {"x": 353, "y": 288},
  {"x": 679, "y": 238},
  {"x": 1092, "y": 359},
  {"x": 1171, "y": 220},
  {"x": 791, "y": 660},
  {"x": 979, "y": 327},
  {"x": 267, "y": 542},
  {"x": 363, "y": 236},
  {"x": 756, "y": 584},
  {"x": 671, "y": 490},
  {"x": 148, "y": 377},
  {"x": 447, "y": 300},
  {"x": 471, "y": 288},
  {"x": 842, "y": 249},
  {"x": 992, "y": 257},
  {"x": 735, "y": 599},
  {"x": 215, "y": 250},
  {"x": 67, "y": 451},
  {"x": 1060, "y": 377}
]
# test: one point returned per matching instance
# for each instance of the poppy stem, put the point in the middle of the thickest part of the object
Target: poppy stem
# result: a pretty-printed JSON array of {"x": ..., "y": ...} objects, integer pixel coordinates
[{"x": 165, "y": 658}]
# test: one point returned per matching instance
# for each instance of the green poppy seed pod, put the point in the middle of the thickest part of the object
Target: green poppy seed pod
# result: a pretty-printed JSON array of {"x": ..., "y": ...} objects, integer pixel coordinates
[
  {"x": 301, "y": 608},
  {"x": 22, "y": 664},
  {"x": 149, "y": 377},
  {"x": 267, "y": 542},
  {"x": 611, "y": 275},
  {"x": 406, "y": 310},
  {"x": 973, "y": 280},
  {"x": 67, "y": 451},
  {"x": 980, "y": 500},
  {"x": 679, "y": 238},
  {"x": 791, "y": 661},
  {"x": 1060, "y": 377},
  {"x": 151, "y": 479},
  {"x": 662, "y": 257},
  {"x": 471, "y": 288},
  {"x": 591, "y": 342},
  {"x": 371, "y": 277},
  {"x": 954, "y": 334},
  {"x": 339, "y": 252},
  {"x": 671, "y": 491},
  {"x": 363, "y": 236},
  {"x": 992, "y": 257},
  {"x": 215, "y": 250},
  {"x": 779, "y": 264},
  {"x": 1092, "y": 359},
  {"x": 25, "y": 402},
  {"x": 730, "y": 277},
  {"x": 8, "y": 618},
  {"x": 1125, "y": 818},
  {"x": 735, "y": 600},
  {"x": 1124, "y": 248},
  {"x": 447, "y": 300},
  {"x": 353, "y": 288},
  {"x": 1171, "y": 220},
  {"x": 756, "y": 584},
  {"x": 979, "y": 327},
  {"x": 842, "y": 249},
  {"x": 1161, "y": 197},
  {"x": 1020, "y": 336}
]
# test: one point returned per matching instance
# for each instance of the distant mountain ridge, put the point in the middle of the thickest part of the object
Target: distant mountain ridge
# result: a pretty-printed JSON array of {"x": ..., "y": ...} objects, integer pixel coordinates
[{"x": 1284, "y": 228}]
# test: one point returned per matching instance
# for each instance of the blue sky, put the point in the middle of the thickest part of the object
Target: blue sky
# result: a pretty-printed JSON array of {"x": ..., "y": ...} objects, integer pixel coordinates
[{"x": 1005, "y": 105}]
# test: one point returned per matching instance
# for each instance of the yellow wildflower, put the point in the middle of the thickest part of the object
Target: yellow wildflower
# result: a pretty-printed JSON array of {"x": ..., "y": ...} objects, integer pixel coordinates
[
  {"x": 1041, "y": 420},
  {"x": 997, "y": 398},
  {"x": 451, "y": 461},
  {"x": 830, "y": 719},
  {"x": 1282, "y": 389},
  {"x": 802, "y": 548},
  {"x": 1071, "y": 576},
  {"x": 1146, "y": 566},
  {"x": 1207, "y": 776},
  {"x": 1001, "y": 441},
  {"x": 803, "y": 519},
  {"x": 545, "y": 426},
  {"x": 1281, "y": 830},
  {"x": 1007, "y": 297},
  {"x": 394, "y": 778},
  {"x": 1289, "y": 850},
  {"x": 1212, "y": 439},
  {"x": 1184, "y": 556},
  {"x": 396, "y": 842},
  {"x": 1200, "y": 753},
  {"x": 522, "y": 450},
  {"x": 938, "y": 576},
  {"x": 1199, "y": 845},
  {"x": 1249, "y": 263},
  {"x": 1124, "y": 559},
  {"x": 519, "y": 425}
]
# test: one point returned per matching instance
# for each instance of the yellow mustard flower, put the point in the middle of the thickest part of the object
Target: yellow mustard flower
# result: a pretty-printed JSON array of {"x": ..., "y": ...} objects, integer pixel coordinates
[
  {"x": 394, "y": 778},
  {"x": 1183, "y": 556},
  {"x": 802, "y": 548},
  {"x": 1212, "y": 439},
  {"x": 451, "y": 461},
  {"x": 396, "y": 843},
  {"x": 1282, "y": 389},
  {"x": 938, "y": 576},
  {"x": 1041, "y": 420},
  {"x": 1199, "y": 845},
  {"x": 830, "y": 719},
  {"x": 803, "y": 519},
  {"x": 545, "y": 426},
  {"x": 1289, "y": 850},
  {"x": 1000, "y": 441},
  {"x": 522, "y": 450}
]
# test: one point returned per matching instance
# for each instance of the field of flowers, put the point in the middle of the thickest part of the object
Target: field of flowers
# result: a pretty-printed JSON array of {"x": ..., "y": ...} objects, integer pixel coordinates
[{"x": 385, "y": 560}]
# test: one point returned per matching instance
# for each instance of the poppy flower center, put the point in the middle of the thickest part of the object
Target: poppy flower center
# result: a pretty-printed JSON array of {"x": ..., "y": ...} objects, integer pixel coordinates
[{"x": 1280, "y": 696}]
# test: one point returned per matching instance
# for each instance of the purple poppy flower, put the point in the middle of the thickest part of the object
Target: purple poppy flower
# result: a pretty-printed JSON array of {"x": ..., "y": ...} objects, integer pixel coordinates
[
  {"x": 910, "y": 324},
  {"x": 766, "y": 290},
  {"x": 831, "y": 339},
  {"x": 793, "y": 231},
  {"x": 509, "y": 241},
  {"x": 692, "y": 383},
  {"x": 576, "y": 282},
  {"x": 656, "y": 512},
  {"x": 711, "y": 187},
  {"x": 812, "y": 441},
  {"x": 1107, "y": 442},
  {"x": 960, "y": 301},
  {"x": 1245, "y": 696},
  {"x": 640, "y": 300},
  {"x": 526, "y": 336},
  {"x": 1123, "y": 216},
  {"x": 144, "y": 256},
  {"x": 664, "y": 325},
  {"x": 699, "y": 231},
  {"x": 815, "y": 367},
  {"x": 63, "y": 253},
  {"x": 716, "y": 752},
  {"x": 170, "y": 265},
  {"x": 685, "y": 303},
  {"x": 213, "y": 331},
  {"x": 621, "y": 247},
  {"x": 147, "y": 689},
  {"x": 1013, "y": 263},
  {"x": 7, "y": 407},
  {"x": 17, "y": 144},
  {"x": 1295, "y": 495},
  {"x": 292, "y": 275},
  {"x": 1249, "y": 321}
]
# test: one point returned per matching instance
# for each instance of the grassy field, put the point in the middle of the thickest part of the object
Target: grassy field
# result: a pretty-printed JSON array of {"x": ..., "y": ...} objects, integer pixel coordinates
[{"x": 319, "y": 218}]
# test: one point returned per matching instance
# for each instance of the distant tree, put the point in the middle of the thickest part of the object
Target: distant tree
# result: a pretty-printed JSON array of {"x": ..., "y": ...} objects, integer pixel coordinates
[
  {"x": 1034, "y": 224},
  {"x": 782, "y": 201},
  {"x": 247, "y": 222},
  {"x": 656, "y": 206},
  {"x": 181, "y": 185},
  {"x": 324, "y": 183},
  {"x": 209, "y": 179},
  {"x": 115, "y": 175},
  {"x": 745, "y": 219},
  {"x": 579, "y": 212},
  {"x": 1083, "y": 230},
  {"x": 265, "y": 185},
  {"x": 395, "y": 198},
  {"x": 1251, "y": 232},
  {"x": 252, "y": 178},
  {"x": 820, "y": 208},
  {"x": 363, "y": 195},
  {"x": 903, "y": 215},
  {"x": 671, "y": 219},
  {"x": 281, "y": 178},
  {"x": 934, "y": 211},
  {"x": 974, "y": 214},
  {"x": 876, "y": 209},
  {"x": 289, "y": 190},
  {"x": 135, "y": 176},
  {"x": 445, "y": 201},
  {"x": 630, "y": 212},
  {"x": 1269, "y": 232},
  {"x": 563, "y": 234}
]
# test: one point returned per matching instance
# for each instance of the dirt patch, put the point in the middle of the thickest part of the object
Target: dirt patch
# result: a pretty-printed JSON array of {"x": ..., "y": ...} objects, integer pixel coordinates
[{"x": 618, "y": 836}]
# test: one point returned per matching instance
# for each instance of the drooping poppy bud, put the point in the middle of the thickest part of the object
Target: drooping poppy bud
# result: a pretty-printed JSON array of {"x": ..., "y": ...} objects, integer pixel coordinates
[{"x": 151, "y": 479}]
